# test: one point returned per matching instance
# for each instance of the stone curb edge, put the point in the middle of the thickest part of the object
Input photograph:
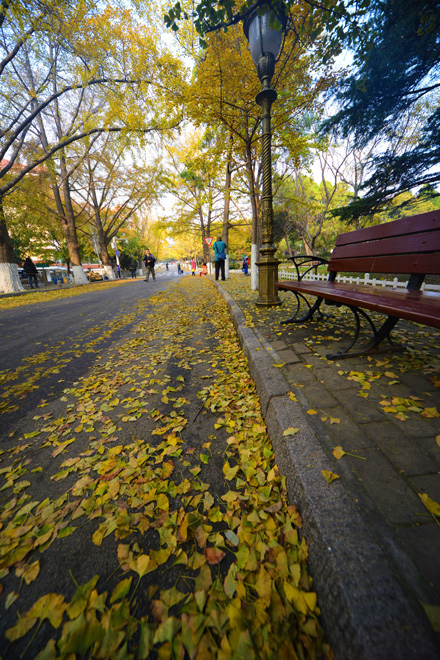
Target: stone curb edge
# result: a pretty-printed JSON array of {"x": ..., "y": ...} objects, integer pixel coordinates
[{"x": 365, "y": 612}]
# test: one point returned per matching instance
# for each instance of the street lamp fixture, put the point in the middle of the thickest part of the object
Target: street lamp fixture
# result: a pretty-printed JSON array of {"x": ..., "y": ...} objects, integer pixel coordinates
[{"x": 265, "y": 39}]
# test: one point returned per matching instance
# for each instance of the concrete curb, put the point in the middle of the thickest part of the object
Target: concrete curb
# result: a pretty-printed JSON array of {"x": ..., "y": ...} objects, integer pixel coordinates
[{"x": 365, "y": 612}]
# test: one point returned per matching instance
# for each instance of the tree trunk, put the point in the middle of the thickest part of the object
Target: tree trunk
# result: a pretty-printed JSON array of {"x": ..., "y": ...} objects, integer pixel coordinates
[
  {"x": 227, "y": 202},
  {"x": 287, "y": 239},
  {"x": 102, "y": 238},
  {"x": 205, "y": 229},
  {"x": 254, "y": 205},
  {"x": 9, "y": 278},
  {"x": 69, "y": 227}
]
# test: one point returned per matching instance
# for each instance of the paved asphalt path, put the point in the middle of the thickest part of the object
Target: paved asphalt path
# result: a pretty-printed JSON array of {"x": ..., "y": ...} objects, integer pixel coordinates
[{"x": 65, "y": 323}]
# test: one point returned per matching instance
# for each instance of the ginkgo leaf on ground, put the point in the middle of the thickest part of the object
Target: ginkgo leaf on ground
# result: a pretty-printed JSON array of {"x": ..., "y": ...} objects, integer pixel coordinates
[
  {"x": 338, "y": 453},
  {"x": 29, "y": 572},
  {"x": 21, "y": 628},
  {"x": 433, "y": 614},
  {"x": 432, "y": 506},
  {"x": 329, "y": 476},
  {"x": 51, "y": 607},
  {"x": 290, "y": 431},
  {"x": 214, "y": 555},
  {"x": 141, "y": 565}
]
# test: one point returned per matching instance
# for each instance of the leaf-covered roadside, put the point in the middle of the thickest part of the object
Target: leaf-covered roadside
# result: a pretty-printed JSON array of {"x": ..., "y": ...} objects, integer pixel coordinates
[
  {"x": 33, "y": 297},
  {"x": 186, "y": 516}
]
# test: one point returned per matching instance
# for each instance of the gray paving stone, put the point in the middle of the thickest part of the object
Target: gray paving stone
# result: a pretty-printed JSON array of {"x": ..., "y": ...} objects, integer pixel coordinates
[
  {"x": 298, "y": 373},
  {"x": 417, "y": 427},
  {"x": 300, "y": 348},
  {"x": 277, "y": 345},
  {"x": 289, "y": 357},
  {"x": 404, "y": 454},
  {"x": 360, "y": 409},
  {"x": 430, "y": 447},
  {"x": 314, "y": 361},
  {"x": 416, "y": 381},
  {"x": 318, "y": 396},
  {"x": 332, "y": 379},
  {"x": 347, "y": 433},
  {"x": 422, "y": 543},
  {"x": 428, "y": 483},
  {"x": 380, "y": 390},
  {"x": 394, "y": 497}
]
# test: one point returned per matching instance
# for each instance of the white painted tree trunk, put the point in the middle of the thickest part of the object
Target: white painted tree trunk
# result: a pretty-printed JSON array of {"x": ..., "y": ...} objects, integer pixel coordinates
[
  {"x": 227, "y": 267},
  {"x": 110, "y": 274},
  {"x": 254, "y": 267},
  {"x": 79, "y": 276},
  {"x": 10, "y": 279}
]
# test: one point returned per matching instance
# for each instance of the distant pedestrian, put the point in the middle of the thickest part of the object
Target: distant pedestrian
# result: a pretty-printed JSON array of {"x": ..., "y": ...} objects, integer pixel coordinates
[
  {"x": 179, "y": 269},
  {"x": 31, "y": 271},
  {"x": 203, "y": 269},
  {"x": 193, "y": 267},
  {"x": 166, "y": 265},
  {"x": 133, "y": 269},
  {"x": 245, "y": 265},
  {"x": 149, "y": 262},
  {"x": 220, "y": 248}
]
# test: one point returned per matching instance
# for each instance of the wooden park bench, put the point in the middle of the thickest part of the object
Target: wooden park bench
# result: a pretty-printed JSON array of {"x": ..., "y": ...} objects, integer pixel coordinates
[{"x": 410, "y": 246}]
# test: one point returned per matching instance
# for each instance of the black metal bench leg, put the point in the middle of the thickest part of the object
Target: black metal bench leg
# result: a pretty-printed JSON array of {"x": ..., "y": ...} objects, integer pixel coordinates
[
  {"x": 372, "y": 346},
  {"x": 312, "y": 309}
]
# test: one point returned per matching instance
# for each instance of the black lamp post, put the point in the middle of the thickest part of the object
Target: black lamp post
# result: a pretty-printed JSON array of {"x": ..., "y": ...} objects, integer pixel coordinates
[{"x": 265, "y": 43}]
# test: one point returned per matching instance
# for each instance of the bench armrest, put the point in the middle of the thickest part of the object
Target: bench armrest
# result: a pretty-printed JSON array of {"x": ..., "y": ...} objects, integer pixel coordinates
[{"x": 301, "y": 259}]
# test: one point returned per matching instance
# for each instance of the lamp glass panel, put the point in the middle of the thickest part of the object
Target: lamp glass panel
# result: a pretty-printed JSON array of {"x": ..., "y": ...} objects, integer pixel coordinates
[{"x": 262, "y": 38}]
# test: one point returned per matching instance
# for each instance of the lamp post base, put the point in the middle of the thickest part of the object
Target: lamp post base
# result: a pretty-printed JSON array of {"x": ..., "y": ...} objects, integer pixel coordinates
[{"x": 267, "y": 275}]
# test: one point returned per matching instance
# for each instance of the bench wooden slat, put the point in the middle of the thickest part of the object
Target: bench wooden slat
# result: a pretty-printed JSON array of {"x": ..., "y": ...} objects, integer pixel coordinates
[
  {"x": 410, "y": 246},
  {"x": 417, "y": 306},
  {"x": 424, "y": 222},
  {"x": 428, "y": 264},
  {"x": 426, "y": 243}
]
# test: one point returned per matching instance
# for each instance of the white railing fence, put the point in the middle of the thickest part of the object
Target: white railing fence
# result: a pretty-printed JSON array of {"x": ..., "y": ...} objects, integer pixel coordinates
[{"x": 366, "y": 279}]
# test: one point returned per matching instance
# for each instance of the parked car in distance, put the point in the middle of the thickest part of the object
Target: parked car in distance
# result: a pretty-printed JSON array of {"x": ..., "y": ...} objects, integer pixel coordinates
[{"x": 94, "y": 276}]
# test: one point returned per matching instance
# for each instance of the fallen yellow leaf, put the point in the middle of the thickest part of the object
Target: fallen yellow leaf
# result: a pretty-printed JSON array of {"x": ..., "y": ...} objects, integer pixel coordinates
[
  {"x": 338, "y": 452},
  {"x": 290, "y": 431},
  {"x": 432, "y": 506},
  {"x": 329, "y": 476}
]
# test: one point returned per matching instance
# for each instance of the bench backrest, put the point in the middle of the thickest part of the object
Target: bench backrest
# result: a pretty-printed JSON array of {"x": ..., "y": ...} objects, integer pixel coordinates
[{"x": 409, "y": 245}]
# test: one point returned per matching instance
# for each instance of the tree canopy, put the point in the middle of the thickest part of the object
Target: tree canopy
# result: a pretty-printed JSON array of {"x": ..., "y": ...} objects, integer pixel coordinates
[{"x": 396, "y": 74}]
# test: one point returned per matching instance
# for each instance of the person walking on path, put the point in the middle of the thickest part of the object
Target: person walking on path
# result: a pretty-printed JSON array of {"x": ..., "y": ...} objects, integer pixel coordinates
[
  {"x": 179, "y": 269},
  {"x": 193, "y": 267},
  {"x": 149, "y": 262},
  {"x": 31, "y": 271},
  {"x": 245, "y": 265},
  {"x": 219, "y": 257},
  {"x": 132, "y": 269}
]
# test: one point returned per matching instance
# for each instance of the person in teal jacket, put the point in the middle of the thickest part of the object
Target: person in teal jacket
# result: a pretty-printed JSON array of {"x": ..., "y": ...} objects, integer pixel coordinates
[{"x": 220, "y": 248}]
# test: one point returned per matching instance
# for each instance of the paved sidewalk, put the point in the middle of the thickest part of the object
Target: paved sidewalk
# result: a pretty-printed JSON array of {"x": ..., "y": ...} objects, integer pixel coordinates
[{"x": 374, "y": 545}]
